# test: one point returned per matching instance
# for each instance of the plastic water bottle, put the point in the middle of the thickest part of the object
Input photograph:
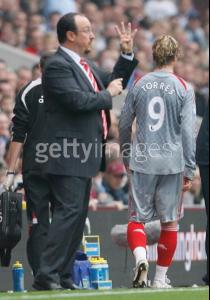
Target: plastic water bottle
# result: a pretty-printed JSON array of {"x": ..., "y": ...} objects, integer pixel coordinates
[{"x": 18, "y": 277}]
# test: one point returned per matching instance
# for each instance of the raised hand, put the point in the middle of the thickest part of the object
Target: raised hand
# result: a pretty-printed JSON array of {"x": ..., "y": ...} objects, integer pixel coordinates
[{"x": 126, "y": 36}]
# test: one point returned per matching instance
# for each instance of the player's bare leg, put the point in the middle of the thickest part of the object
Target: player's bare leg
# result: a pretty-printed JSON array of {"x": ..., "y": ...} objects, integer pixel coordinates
[
  {"x": 137, "y": 242},
  {"x": 166, "y": 249}
]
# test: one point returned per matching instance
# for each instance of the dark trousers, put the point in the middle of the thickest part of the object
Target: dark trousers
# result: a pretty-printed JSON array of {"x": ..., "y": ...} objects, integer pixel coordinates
[
  {"x": 70, "y": 201},
  {"x": 204, "y": 170},
  {"x": 37, "y": 191}
]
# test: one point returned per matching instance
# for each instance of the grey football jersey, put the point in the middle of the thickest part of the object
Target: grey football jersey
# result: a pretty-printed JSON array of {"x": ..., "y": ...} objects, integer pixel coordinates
[{"x": 165, "y": 138}]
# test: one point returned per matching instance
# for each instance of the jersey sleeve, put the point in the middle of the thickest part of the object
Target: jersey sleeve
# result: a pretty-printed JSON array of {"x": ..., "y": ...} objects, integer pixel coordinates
[
  {"x": 126, "y": 122},
  {"x": 20, "y": 119},
  {"x": 189, "y": 133}
]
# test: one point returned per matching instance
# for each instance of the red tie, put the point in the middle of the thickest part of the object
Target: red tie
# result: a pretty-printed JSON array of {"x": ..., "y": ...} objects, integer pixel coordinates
[{"x": 96, "y": 88}]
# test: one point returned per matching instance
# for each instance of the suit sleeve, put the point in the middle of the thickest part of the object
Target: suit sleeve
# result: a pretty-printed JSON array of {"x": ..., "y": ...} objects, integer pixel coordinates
[
  {"x": 126, "y": 122},
  {"x": 123, "y": 69},
  {"x": 20, "y": 120},
  {"x": 189, "y": 133},
  {"x": 60, "y": 84}
]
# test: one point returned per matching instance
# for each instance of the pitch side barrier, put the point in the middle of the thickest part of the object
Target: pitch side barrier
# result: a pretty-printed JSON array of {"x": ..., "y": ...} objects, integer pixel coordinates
[{"x": 17, "y": 58}]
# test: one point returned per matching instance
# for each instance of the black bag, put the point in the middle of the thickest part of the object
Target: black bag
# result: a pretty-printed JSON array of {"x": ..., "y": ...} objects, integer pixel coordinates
[{"x": 10, "y": 224}]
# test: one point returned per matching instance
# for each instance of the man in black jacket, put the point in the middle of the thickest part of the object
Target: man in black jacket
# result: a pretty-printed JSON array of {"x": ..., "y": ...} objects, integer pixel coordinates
[
  {"x": 203, "y": 162},
  {"x": 28, "y": 124},
  {"x": 78, "y": 98}
]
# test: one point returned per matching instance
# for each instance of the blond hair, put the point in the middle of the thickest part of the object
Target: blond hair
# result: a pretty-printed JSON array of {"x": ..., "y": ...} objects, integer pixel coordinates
[{"x": 165, "y": 50}]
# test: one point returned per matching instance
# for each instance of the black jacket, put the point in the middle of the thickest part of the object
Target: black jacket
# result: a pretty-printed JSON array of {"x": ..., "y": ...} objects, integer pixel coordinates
[
  {"x": 74, "y": 114},
  {"x": 28, "y": 123},
  {"x": 202, "y": 154}
]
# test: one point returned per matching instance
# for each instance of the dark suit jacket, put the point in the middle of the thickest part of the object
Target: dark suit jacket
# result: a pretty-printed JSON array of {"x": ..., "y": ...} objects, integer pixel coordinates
[
  {"x": 74, "y": 114},
  {"x": 202, "y": 154}
]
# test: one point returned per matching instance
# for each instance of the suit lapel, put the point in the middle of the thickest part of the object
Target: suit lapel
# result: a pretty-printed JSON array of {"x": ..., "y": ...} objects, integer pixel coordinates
[{"x": 76, "y": 67}]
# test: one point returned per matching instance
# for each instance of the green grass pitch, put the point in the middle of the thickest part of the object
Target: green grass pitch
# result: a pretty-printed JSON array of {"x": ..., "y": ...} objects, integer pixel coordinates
[{"x": 177, "y": 294}]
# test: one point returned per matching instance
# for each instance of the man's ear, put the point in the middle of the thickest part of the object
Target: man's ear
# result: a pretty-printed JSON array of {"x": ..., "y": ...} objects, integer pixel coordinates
[{"x": 70, "y": 36}]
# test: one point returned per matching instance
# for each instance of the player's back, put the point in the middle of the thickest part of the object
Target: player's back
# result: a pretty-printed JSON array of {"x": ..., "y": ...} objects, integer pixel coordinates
[{"x": 159, "y": 99}]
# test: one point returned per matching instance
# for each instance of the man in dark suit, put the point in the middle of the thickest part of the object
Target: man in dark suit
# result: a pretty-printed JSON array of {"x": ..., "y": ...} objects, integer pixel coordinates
[
  {"x": 78, "y": 97},
  {"x": 203, "y": 162}
]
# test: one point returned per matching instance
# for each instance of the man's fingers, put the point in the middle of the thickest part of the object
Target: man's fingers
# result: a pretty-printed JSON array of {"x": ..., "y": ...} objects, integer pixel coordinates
[
  {"x": 129, "y": 28},
  {"x": 118, "y": 30},
  {"x": 128, "y": 34},
  {"x": 123, "y": 27}
]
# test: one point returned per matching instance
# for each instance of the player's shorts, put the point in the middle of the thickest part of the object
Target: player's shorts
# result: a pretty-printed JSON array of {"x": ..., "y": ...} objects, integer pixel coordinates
[{"x": 156, "y": 197}]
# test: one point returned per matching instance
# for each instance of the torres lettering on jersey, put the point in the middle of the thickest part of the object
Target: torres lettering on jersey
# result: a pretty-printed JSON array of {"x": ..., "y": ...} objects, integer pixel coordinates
[{"x": 158, "y": 86}]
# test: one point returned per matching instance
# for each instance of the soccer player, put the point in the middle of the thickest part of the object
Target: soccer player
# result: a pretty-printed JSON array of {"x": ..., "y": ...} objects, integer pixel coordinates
[{"x": 161, "y": 158}]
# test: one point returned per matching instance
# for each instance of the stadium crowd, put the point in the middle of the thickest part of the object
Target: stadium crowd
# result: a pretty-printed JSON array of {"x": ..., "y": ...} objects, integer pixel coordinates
[{"x": 31, "y": 26}]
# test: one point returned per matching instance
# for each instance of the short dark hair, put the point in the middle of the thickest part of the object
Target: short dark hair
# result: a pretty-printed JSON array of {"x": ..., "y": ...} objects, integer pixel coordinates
[
  {"x": 45, "y": 56},
  {"x": 65, "y": 24}
]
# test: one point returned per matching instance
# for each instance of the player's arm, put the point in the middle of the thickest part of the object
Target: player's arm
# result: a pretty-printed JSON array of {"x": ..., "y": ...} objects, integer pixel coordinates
[
  {"x": 126, "y": 122},
  {"x": 189, "y": 134},
  {"x": 20, "y": 123}
]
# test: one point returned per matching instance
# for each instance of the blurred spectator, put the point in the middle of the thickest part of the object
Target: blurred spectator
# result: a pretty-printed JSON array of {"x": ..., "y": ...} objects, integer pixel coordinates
[
  {"x": 160, "y": 9},
  {"x": 53, "y": 19},
  {"x": 20, "y": 41},
  {"x": 7, "y": 105},
  {"x": 3, "y": 171},
  {"x": 8, "y": 34},
  {"x": 24, "y": 77},
  {"x": 102, "y": 3},
  {"x": 195, "y": 32},
  {"x": 12, "y": 80},
  {"x": 36, "y": 42},
  {"x": 36, "y": 72},
  {"x": 186, "y": 7},
  {"x": 111, "y": 190},
  {"x": 36, "y": 21},
  {"x": 50, "y": 42},
  {"x": 10, "y": 7},
  {"x": 6, "y": 89},
  {"x": 21, "y": 20},
  {"x": 62, "y": 6},
  {"x": 4, "y": 134},
  {"x": 3, "y": 69}
]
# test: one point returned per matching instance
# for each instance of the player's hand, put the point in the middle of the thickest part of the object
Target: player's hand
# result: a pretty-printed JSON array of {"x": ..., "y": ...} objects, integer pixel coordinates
[
  {"x": 187, "y": 185},
  {"x": 8, "y": 183},
  {"x": 126, "y": 36},
  {"x": 115, "y": 88}
]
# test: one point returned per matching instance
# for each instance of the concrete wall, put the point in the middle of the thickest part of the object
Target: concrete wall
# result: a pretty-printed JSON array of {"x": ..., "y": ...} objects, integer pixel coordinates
[{"x": 16, "y": 58}]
